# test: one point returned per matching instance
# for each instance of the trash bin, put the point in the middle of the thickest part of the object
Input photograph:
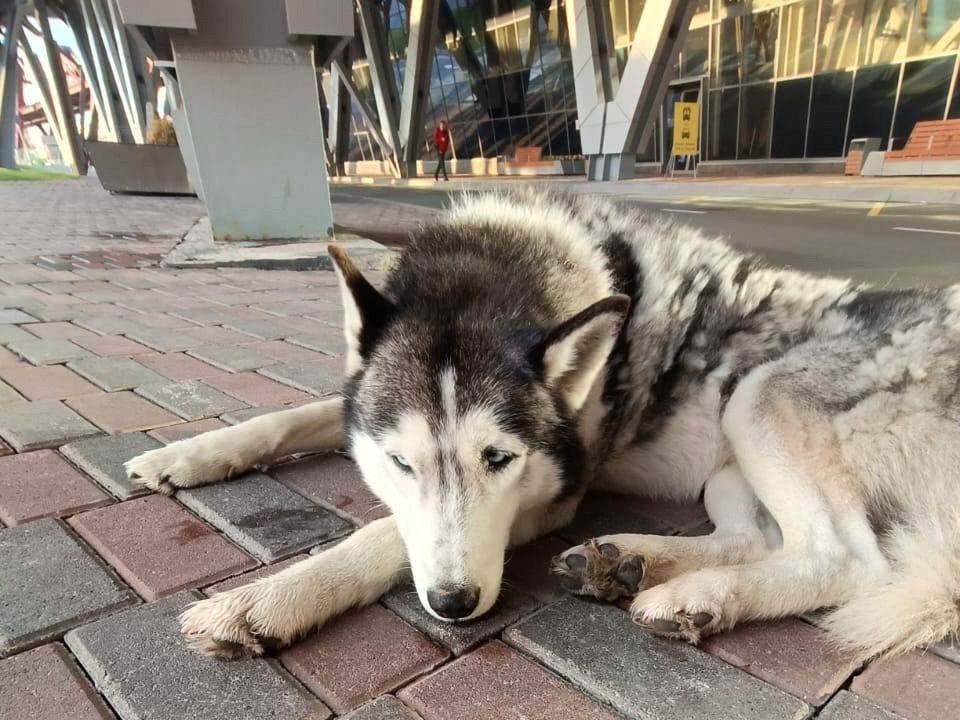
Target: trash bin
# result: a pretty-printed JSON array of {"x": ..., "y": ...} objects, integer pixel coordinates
[{"x": 857, "y": 154}]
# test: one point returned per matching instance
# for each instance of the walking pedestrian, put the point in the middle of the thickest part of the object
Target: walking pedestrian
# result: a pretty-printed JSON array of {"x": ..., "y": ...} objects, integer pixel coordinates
[{"x": 441, "y": 138}]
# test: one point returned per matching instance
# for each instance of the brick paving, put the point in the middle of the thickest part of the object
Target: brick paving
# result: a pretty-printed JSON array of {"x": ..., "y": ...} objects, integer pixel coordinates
[{"x": 104, "y": 354}]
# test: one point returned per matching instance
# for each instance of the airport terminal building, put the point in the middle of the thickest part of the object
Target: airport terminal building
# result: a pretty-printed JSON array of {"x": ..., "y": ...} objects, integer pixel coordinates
[{"x": 776, "y": 80}]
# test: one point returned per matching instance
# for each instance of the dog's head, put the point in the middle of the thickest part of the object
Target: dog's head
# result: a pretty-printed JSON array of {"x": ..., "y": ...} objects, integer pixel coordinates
[{"x": 460, "y": 424}]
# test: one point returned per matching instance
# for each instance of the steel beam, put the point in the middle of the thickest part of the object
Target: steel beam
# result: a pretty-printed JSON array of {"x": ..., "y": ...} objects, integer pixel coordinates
[
  {"x": 74, "y": 19},
  {"x": 617, "y": 114},
  {"x": 660, "y": 33},
  {"x": 9, "y": 77},
  {"x": 421, "y": 39},
  {"x": 70, "y": 147},
  {"x": 108, "y": 111},
  {"x": 374, "y": 33},
  {"x": 340, "y": 111},
  {"x": 368, "y": 117}
]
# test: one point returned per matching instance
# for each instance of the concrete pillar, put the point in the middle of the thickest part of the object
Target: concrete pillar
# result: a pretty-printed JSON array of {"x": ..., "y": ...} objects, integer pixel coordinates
[{"x": 248, "y": 85}]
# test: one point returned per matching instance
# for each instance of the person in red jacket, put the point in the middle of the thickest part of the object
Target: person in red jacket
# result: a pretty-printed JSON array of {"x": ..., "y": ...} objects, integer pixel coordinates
[{"x": 441, "y": 138}]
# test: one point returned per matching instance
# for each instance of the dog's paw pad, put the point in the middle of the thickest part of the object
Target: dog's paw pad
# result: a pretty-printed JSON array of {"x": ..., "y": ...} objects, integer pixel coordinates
[
  {"x": 599, "y": 570},
  {"x": 684, "y": 626},
  {"x": 629, "y": 574}
]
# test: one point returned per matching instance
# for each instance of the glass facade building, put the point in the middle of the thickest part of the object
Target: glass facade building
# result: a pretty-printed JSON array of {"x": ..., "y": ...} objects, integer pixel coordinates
[{"x": 776, "y": 79}]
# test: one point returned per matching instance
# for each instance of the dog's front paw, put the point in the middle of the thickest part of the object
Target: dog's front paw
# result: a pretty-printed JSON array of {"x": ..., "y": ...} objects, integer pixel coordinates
[
  {"x": 183, "y": 464},
  {"x": 599, "y": 568},
  {"x": 236, "y": 624},
  {"x": 663, "y": 611}
]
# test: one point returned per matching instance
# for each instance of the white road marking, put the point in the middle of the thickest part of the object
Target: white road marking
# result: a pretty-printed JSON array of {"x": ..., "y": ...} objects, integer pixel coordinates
[
  {"x": 679, "y": 210},
  {"x": 928, "y": 230}
]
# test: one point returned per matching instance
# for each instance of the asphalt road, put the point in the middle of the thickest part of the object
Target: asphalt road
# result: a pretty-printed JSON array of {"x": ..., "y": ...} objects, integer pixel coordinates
[{"x": 890, "y": 244}]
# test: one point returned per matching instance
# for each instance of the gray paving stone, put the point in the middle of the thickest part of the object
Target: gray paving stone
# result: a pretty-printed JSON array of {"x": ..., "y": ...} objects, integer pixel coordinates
[
  {"x": 8, "y": 394},
  {"x": 47, "y": 351},
  {"x": 264, "y": 329},
  {"x": 333, "y": 344},
  {"x": 108, "y": 325},
  {"x": 234, "y": 358},
  {"x": 600, "y": 650},
  {"x": 949, "y": 649},
  {"x": 11, "y": 333},
  {"x": 316, "y": 378},
  {"x": 610, "y": 513},
  {"x": 236, "y": 417},
  {"x": 263, "y": 516},
  {"x": 849, "y": 706},
  {"x": 115, "y": 373},
  {"x": 12, "y": 316},
  {"x": 49, "y": 583},
  {"x": 163, "y": 340},
  {"x": 139, "y": 661},
  {"x": 41, "y": 424},
  {"x": 55, "y": 313},
  {"x": 190, "y": 399},
  {"x": 511, "y": 606},
  {"x": 102, "y": 459},
  {"x": 385, "y": 707}
]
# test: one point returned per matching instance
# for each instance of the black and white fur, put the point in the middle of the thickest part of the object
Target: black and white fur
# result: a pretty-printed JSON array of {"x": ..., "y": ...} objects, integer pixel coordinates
[{"x": 530, "y": 346}]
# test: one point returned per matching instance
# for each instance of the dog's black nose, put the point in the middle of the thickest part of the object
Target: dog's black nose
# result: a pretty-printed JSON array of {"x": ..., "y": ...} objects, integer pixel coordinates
[{"x": 454, "y": 601}]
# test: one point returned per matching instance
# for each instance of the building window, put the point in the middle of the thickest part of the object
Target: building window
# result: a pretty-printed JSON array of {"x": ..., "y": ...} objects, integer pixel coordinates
[
  {"x": 923, "y": 95},
  {"x": 724, "y": 118},
  {"x": 790, "y": 118},
  {"x": 874, "y": 96},
  {"x": 795, "y": 55},
  {"x": 935, "y": 27},
  {"x": 839, "y": 34},
  {"x": 756, "y": 107},
  {"x": 694, "y": 57},
  {"x": 828, "y": 114}
]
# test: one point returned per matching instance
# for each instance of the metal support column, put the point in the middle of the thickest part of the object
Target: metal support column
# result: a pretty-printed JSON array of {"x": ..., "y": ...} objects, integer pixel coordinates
[
  {"x": 340, "y": 111},
  {"x": 9, "y": 77},
  {"x": 615, "y": 117},
  {"x": 368, "y": 117},
  {"x": 374, "y": 32},
  {"x": 70, "y": 147},
  {"x": 416, "y": 82}
]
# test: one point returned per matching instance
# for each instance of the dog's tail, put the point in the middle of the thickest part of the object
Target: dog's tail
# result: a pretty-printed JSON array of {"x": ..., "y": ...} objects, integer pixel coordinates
[{"x": 916, "y": 604}]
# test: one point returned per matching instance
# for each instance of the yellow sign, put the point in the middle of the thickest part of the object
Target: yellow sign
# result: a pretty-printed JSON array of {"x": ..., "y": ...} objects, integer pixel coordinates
[{"x": 686, "y": 128}]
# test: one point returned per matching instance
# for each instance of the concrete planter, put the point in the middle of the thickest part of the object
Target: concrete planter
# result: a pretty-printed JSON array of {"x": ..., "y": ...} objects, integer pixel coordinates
[
  {"x": 149, "y": 169},
  {"x": 544, "y": 167}
]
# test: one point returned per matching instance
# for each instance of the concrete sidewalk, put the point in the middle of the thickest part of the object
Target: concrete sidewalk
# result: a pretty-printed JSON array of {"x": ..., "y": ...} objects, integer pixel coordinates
[
  {"x": 106, "y": 354},
  {"x": 810, "y": 187}
]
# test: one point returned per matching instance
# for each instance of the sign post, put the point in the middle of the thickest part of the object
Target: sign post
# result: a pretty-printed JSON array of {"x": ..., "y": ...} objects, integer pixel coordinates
[{"x": 686, "y": 132}]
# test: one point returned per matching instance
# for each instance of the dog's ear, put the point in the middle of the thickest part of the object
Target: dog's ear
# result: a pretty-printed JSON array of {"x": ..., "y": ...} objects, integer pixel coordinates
[
  {"x": 365, "y": 311},
  {"x": 573, "y": 353}
]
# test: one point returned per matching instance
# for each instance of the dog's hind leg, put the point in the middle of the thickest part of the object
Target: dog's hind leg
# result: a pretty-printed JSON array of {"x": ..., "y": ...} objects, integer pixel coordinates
[
  {"x": 615, "y": 566},
  {"x": 221, "y": 454},
  {"x": 274, "y": 611},
  {"x": 789, "y": 453}
]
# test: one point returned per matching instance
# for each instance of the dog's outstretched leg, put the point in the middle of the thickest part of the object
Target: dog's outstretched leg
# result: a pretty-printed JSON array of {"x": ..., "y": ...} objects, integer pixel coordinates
[
  {"x": 223, "y": 453},
  {"x": 276, "y": 610},
  {"x": 615, "y": 566}
]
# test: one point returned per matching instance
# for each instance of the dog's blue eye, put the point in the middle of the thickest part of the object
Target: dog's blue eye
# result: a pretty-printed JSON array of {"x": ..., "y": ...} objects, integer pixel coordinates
[
  {"x": 497, "y": 459},
  {"x": 401, "y": 463}
]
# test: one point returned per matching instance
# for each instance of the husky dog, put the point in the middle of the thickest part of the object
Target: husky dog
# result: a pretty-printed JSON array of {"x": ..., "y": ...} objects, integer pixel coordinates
[{"x": 528, "y": 347}]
